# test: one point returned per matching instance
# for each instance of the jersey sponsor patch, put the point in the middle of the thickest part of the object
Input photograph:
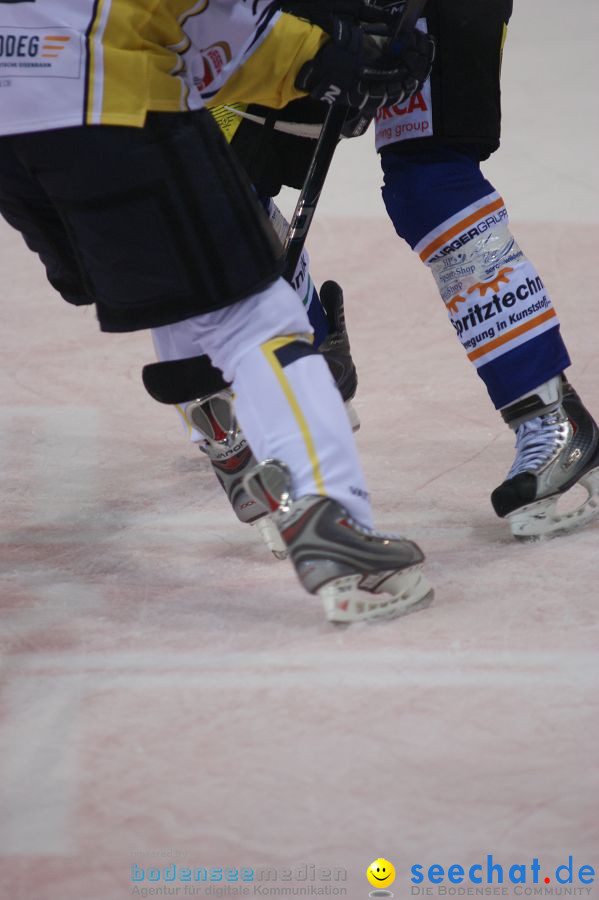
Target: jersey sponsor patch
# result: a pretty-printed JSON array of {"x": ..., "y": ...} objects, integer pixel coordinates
[
  {"x": 54, "y": 52},
  {"x": 401, "y": 122},
  {"x": 208, "y": 64},
  {"x": 405, "y": 121}
]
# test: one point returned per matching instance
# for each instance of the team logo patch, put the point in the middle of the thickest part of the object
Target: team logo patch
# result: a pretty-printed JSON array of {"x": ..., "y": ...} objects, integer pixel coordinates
[{"x": 213, "y": 60}]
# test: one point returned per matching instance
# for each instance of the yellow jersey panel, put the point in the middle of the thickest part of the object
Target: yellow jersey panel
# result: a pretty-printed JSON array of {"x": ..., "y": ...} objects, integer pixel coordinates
[{"x": 268, "y": 75}]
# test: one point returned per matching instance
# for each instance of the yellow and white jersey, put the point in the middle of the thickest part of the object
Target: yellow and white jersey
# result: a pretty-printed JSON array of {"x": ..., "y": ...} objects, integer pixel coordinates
[
  {"x": 74, "y": 62},
  {"x": 267, "y": 71}
]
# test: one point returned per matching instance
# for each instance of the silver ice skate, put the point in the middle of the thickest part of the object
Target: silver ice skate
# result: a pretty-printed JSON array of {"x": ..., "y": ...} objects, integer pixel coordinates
[
  {"x": 230, "y": 456},
  {"x": 359, "y": 574},
  {"x": 557, "y": 447}
]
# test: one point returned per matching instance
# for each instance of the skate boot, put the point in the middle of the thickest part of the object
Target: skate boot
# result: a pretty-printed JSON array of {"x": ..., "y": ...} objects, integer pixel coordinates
[
  {"x": 336, "y": 350},
  {"x": 230, "y": 456},
  {"x": 557, "y": 444},
  {"x": 359, "y": 574}
]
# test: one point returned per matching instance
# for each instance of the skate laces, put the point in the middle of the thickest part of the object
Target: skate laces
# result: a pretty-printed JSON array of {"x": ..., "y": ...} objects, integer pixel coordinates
[{"x": 538, "y": 441}]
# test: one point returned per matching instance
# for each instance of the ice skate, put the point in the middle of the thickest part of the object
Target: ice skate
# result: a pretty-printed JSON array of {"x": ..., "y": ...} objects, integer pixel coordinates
[
  {"x": 231, "y": 457},
  {"x": 336, "y": 349},
  {"x": 557, "y": 444},
  {"x": 359, "y": 574}
]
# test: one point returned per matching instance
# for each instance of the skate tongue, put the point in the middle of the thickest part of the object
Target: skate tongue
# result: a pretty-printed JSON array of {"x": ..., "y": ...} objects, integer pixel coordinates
[
  {"x": 214, "y": 418},
  {"x": 270, "y": 483},
  {"x": 538, "y": 440}
]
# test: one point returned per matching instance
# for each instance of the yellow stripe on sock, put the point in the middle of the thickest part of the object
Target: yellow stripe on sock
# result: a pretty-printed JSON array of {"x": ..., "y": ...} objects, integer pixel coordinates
[{"x": 269, "y": 348}]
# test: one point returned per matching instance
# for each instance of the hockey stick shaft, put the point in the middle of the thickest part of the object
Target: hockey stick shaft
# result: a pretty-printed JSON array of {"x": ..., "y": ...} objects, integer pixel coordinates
[
  {"x": 323, "y": 156},
  {"x": 410, "y": 16},
  {"x": 312, "y": 188}
]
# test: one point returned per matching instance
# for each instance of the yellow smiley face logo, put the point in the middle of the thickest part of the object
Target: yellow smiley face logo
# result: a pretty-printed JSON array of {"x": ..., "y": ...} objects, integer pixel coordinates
[{"x": 380, "y": 873}]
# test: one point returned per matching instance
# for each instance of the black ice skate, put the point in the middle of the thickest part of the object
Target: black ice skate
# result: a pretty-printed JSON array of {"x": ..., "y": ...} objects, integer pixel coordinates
[
  {"x": 358, "y": 573},
  {"x": 231, "y": 458},
  {"x": 557, "y": 444},
  {"x": 336, "y": 349}
]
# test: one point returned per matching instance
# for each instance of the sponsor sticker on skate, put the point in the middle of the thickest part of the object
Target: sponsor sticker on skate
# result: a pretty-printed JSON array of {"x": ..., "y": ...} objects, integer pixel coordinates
[{"x": 40, "y": 52}]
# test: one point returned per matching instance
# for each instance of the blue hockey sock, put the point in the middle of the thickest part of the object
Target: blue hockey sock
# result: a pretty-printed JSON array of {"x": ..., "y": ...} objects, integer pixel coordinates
[{"x": 442, "y": 205}]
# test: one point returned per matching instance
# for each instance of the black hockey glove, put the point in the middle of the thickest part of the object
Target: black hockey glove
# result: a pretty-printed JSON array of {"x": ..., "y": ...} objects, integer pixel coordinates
[{"x": 358, "y": 70}]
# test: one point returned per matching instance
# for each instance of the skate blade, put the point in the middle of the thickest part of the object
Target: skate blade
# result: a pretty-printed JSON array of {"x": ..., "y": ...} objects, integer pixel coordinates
[
  {"x": 354, "y": 419},
  {"x": 543, "y": 519},
  {"x": 401, "y": 593},
  {"x": 271, "y": 537}
]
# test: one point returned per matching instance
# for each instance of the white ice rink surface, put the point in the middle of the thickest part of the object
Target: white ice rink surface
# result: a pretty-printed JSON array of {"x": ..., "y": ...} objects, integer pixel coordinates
[{"x": 171, "y": 696}]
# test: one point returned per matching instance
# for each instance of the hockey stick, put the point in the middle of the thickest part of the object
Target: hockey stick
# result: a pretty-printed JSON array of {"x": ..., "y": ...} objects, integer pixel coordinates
[
  {"x": 323, "y": 156},
  {"x": 312, "y": 188}
]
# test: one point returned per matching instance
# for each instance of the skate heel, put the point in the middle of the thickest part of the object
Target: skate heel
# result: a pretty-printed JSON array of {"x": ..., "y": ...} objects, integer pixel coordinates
[
  {"x": 271, "y": 537},
  {"x": 557, "y": 448},
  {"x": 345, "y": 601},
  {"x": 352, "y": 415},
  {"x": 542, "y": 519}
]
